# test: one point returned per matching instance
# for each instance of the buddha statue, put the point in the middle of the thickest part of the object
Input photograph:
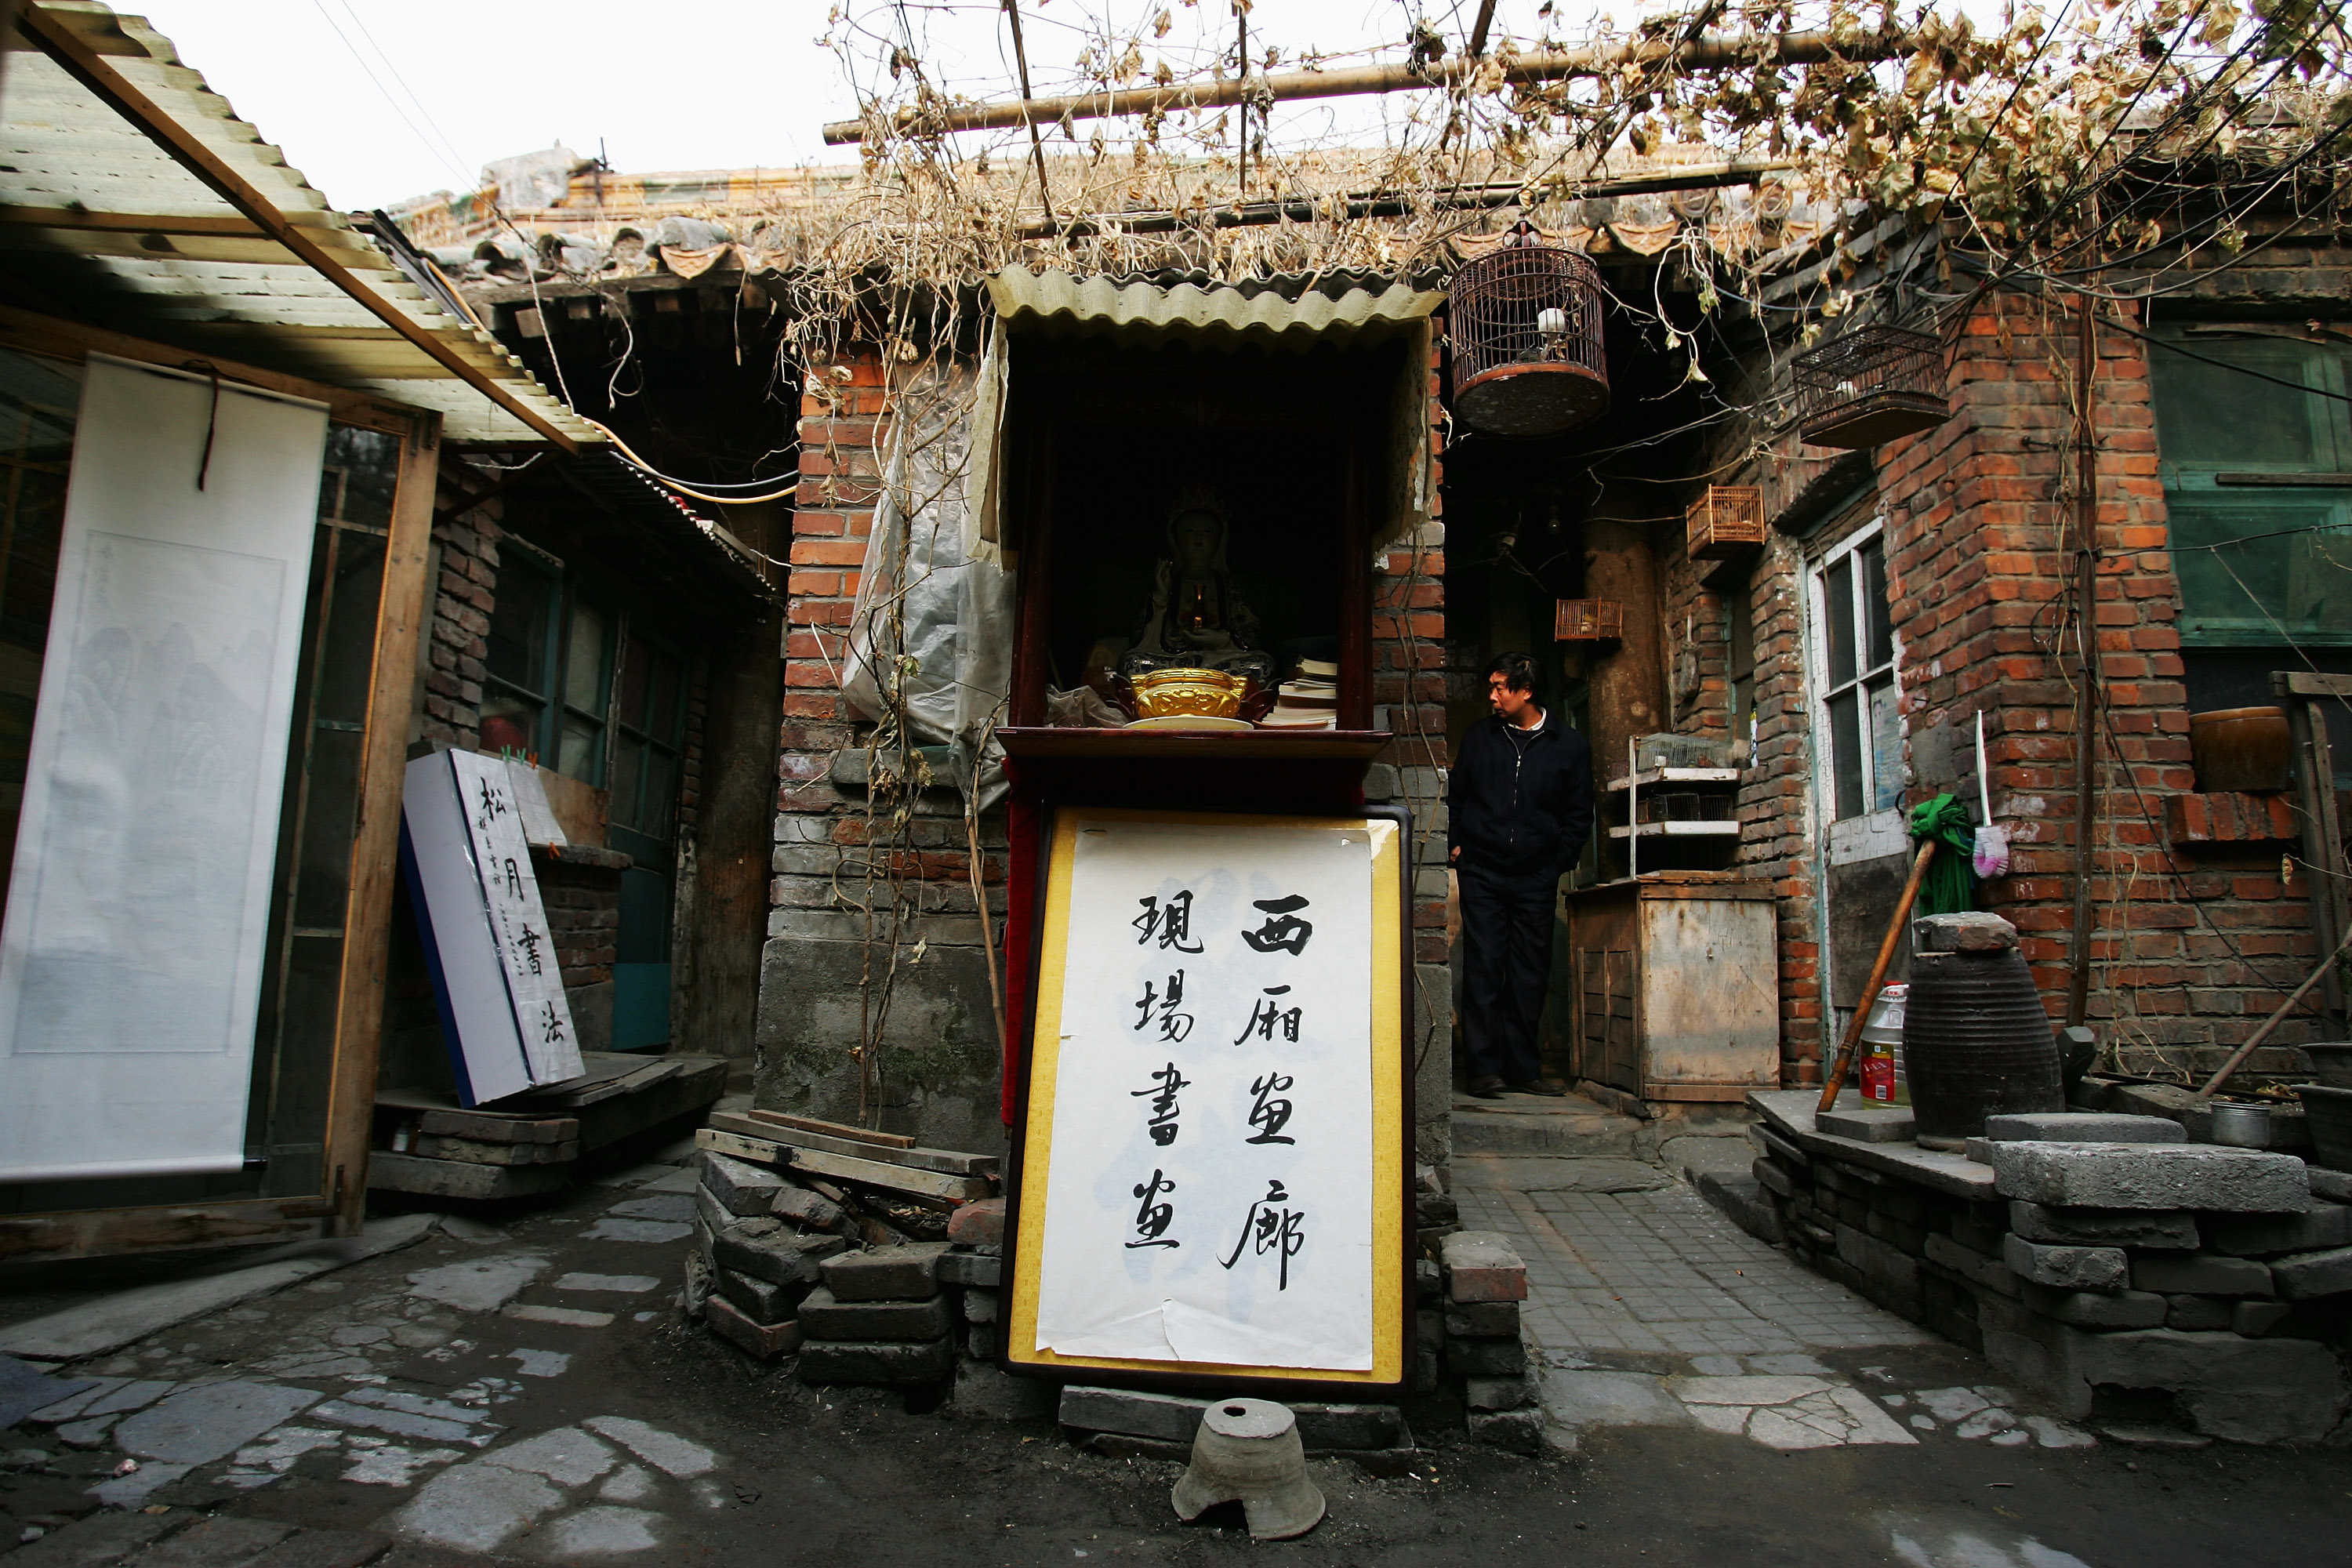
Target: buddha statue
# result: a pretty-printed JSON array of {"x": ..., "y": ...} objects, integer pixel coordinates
[{"x": 1198, "y": 619}]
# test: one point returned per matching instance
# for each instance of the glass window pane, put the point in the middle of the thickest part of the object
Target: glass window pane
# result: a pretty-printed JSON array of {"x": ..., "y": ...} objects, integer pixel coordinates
[
  {"x": 2213, "y": 415},
  {"x": 362, "y": 470},
  {"x": 1837, "y": 589},
  {"x": 584, "y": 750},
  {"x": 1845, "y": 752},
  {"x": 660, "y": 799},
  {"x": 636, "y": 682},
  {"x": 669, "y": 700},
  {"x": 511, "y": 724},
  {"x": 2261, "y": 571},
  {"x": 1885, "y": 747},
  {"x": 628, "y": 767},
  {"x": 518, "y": 628},
  {"x": 1877, "y": 615},
  {"x": 584, "y": 661},
  {"x": 347, "y": 662}
]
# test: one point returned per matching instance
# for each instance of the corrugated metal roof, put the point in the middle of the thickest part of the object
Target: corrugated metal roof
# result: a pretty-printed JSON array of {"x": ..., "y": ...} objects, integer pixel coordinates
[
  {"x": 1217, "y": 309},
  {"x": 97, "y": 220}
]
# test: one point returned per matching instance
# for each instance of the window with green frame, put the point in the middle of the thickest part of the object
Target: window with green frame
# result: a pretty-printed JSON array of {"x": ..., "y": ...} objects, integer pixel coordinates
[
  {"x": 548, "y": 683},
  {"x": 2254, "y": 433}
]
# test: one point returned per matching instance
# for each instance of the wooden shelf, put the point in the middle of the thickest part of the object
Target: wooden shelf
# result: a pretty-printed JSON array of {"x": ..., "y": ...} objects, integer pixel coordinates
[
  {"x": 1652, "y": 778},
  {"x": 1206, "y": 745},
  {"x": 1680, "y": 830}
]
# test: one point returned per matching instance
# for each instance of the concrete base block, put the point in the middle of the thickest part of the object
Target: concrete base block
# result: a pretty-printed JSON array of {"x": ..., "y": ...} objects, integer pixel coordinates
[{"x": 2151, "y": 1176}]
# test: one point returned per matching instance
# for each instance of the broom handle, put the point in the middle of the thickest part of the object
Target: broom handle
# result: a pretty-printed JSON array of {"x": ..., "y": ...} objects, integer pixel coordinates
[{"x": 1844, "y": 1062}]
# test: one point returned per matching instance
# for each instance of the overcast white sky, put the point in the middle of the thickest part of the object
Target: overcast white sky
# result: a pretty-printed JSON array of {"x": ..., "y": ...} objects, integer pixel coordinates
[{"x": 709, "y": 84}]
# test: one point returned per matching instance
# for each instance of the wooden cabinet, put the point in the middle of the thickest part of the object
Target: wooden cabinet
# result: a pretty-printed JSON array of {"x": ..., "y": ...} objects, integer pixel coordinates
[{"x": 1667, "y": 986}]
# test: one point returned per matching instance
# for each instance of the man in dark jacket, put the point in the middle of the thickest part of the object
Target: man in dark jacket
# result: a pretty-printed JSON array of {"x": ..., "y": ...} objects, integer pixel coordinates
[{"x": 1518, "y": 809}]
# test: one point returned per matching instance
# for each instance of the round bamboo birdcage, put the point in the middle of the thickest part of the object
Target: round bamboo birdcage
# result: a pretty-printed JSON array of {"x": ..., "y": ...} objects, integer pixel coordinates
[{"x": 1525, "y": 322}]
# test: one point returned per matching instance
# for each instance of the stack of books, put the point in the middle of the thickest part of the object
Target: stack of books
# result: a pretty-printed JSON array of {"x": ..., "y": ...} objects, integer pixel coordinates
[{"x": 1308, "y": 700}]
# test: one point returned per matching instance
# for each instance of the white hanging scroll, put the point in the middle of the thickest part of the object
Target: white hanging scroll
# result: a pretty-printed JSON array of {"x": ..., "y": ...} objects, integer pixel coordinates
[
  {"x": 138, "y": 912},
  {"x": 1213, "y": 1160},
  {"x": 493, "y": 958}
]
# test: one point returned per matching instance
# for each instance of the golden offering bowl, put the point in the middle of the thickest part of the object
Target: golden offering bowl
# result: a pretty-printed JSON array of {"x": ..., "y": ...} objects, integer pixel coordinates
[{"x": 1210, "y": 693}]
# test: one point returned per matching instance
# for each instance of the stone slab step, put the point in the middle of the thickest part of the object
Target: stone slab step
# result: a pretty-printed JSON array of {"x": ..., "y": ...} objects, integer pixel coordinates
[{"x": 1564, "y": 1127}]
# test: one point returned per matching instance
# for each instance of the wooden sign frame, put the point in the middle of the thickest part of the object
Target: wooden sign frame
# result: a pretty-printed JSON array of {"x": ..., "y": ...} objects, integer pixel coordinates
[{"x": 1391, "y": 1129}]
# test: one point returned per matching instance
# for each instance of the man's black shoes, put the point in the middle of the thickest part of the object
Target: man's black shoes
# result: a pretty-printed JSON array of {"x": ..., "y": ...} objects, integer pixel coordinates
[{"x": 1488, "y": 1088}]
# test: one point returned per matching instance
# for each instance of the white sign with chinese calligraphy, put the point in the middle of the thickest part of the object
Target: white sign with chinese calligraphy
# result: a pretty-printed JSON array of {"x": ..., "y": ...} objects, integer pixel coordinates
[
  {"x": 1210, "y": 1196},
  {"x": 495, "y": 976}
]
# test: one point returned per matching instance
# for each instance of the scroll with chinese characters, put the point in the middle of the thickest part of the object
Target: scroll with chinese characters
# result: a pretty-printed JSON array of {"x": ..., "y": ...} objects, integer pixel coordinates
[{"x": 1212, "y": 1157}]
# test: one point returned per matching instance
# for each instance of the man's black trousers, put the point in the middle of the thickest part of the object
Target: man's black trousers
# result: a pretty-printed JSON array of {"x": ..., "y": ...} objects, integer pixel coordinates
[{"x": 1506, "y": 929}]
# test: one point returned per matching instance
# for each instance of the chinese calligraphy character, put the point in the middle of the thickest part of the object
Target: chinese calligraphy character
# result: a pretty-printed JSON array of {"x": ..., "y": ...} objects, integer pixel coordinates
[
  {"x": 1166, "y": 1082},
  {"x": 1268, "y": 1115},
  {"x": 491, "y": 805},
  {"x": 514, "y": 878},
  {"x": 1173, "y": 922},
  {"x": 551, "y": 1026},
  {"x": 1273, "y": 1229},
  {"x": 1266, "y": 1016},
  {"x": 1173, "y": 1025},
  {"x": 528, "y": 942},
  {"x": 1152, "y": 1219},
  {"x": 1283, "y": 930}
]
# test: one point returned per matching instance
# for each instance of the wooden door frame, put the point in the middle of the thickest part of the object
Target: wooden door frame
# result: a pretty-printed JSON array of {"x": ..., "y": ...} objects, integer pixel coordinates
[{"x": 339, "y": 1206}]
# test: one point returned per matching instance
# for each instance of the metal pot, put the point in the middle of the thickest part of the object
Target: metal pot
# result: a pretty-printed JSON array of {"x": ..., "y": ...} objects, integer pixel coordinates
[{"x": 2241, "y": 1126}]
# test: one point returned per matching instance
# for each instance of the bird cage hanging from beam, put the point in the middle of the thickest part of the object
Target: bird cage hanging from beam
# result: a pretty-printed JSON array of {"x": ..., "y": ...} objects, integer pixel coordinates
[
  {"x": 1525, "y": 324},
  {"x": 1724, "y": 521},
  {"x": 1588, "y": 620},
  {"x": 1870, "y": 386}
]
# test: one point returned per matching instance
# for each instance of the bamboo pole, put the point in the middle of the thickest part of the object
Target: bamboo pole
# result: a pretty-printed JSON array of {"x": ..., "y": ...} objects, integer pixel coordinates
[{"x": 1714, "y": 54}]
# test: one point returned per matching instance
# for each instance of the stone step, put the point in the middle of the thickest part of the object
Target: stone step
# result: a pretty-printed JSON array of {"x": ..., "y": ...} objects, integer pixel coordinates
[{"x": 1571, "y": 1127}]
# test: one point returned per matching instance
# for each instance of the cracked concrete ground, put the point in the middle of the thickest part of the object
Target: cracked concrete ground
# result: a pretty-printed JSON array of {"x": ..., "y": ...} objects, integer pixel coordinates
[{"x": 525, "y": 1392}]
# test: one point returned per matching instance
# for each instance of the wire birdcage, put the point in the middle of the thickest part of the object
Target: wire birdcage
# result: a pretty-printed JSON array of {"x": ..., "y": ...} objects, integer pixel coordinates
[
  {"x": 1724, "y": 521},
  {"x": 1869, "y": 386},
  {"x": 1588, "y": 620},
  {"x": 1524, "y": 320}
]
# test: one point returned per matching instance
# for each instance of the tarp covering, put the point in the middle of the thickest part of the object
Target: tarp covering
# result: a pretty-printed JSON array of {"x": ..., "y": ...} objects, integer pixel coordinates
[{"x": 1219, "y": 310}]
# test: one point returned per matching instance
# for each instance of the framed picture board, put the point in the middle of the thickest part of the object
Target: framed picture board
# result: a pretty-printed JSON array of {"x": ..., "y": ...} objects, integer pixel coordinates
[{"x": 1211, "y": 1173}]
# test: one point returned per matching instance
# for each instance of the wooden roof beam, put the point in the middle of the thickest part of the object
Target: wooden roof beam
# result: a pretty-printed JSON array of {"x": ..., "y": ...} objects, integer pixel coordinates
[
  {"x": 99, "y": 74},
  {"x": 82, "y": 220},
  {"x": 1709, "y": 54}
]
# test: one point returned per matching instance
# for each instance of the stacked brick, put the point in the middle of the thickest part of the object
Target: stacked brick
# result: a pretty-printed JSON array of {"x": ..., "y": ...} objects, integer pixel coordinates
[
  {"x": 1484, "y": 1283},
  {"x": 2136, "y": 1278},
  {"x": 760, "y": 1243},
  {"x": 880, "y": 1318},
  {"x": 457, "y": 639}
]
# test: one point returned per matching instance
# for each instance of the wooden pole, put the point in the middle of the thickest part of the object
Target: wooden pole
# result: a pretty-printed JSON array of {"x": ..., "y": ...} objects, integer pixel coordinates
[
  {"x": 1036, "y": 144},
  {"x": 2238, "y": 1057},
  {"x": 1838, "y": 1069},
  {"x": 2086, "y": 698},
  {"x": 1714, "y": 54}
]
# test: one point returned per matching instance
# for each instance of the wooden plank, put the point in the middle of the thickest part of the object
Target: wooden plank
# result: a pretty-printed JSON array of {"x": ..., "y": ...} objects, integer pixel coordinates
[
  {"x": 390, "y": 1173},
  {"x": 222, "y": 225},
  {"x": 743, "y": 1146},
  {"x": 97, "y": 1233},
  {"x": 947, "y": 1162},
  {"x": 101, "y": 77},
  {"x": 893, "y": 1178},
  {"x": 71, "y": 340},
  {"x": 367, "y": 908},
  {"x": 473, "y": 1151},
  {"x": 834, "y": 1129},
  {"x": 644, "y": 1078},
  {"x": 697, "y": 1082},
  {"x": 2310, "y": 683},
  {"x": 483, "y": 1128}
]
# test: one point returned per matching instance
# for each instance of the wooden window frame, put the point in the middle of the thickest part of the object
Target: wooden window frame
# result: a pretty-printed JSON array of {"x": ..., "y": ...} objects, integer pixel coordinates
[
  {"x": 1866, "y": 832},
  {"x": 339, "y": 1207}
]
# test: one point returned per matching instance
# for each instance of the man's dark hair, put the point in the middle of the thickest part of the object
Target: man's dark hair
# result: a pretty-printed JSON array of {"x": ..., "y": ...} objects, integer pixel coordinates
[{"x": 1517, "y": 670}]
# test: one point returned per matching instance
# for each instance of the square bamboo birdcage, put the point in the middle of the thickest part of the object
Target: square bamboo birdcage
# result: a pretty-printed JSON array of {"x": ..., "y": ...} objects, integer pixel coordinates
[
  {"x": 1724, "y": 521},
  {"x": 1589, "y": 620},
  {"x": 1868, "y": 386}
]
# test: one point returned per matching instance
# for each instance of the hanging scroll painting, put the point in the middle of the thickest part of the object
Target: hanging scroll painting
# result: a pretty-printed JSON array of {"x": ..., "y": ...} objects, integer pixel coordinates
[{"x": 1212, "y": 1174}]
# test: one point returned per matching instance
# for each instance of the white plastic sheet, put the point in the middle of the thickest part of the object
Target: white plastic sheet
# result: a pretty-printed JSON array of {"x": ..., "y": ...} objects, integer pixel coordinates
[
  {"x": 131, "y": 959},
  {"x": 1209, "y": 1197}
]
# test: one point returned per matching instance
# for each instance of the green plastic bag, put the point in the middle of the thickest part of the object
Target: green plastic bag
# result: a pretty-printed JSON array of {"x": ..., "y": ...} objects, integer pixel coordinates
[{"x": 1949, "y": 888}]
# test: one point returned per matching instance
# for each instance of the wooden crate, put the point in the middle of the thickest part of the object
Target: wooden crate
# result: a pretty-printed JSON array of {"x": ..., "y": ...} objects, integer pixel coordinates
[
  {"x": 1589, "y": 620},
  {"x": 1726, "y": 521}
]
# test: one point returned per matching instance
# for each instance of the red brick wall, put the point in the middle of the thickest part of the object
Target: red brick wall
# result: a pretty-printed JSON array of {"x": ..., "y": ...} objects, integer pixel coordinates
[{"x": 1978, "y": 513}]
